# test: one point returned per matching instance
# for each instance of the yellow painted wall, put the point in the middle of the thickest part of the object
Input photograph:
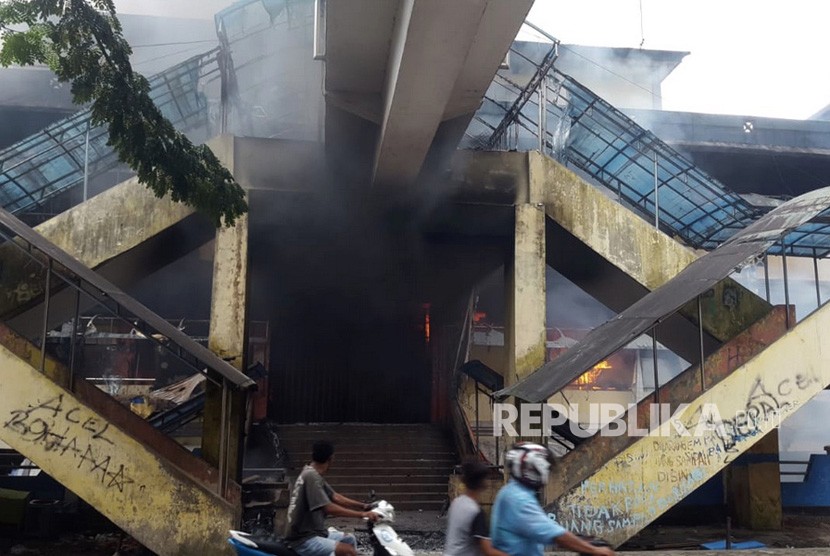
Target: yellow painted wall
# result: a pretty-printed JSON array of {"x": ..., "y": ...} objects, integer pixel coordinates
[
  {"x": 658, "y": 471},
  {"x": 148, "y": 498}
]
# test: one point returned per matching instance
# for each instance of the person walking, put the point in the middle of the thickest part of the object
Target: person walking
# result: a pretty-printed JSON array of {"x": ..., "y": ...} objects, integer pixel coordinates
[{"x": 467, "y": 528}]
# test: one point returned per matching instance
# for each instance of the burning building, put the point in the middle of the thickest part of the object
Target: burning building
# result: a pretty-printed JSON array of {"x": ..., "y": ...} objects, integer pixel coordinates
[{"x": 369, "y": 229}]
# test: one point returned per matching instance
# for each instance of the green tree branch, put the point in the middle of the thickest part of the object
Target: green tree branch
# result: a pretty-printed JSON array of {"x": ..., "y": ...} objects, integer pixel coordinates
[{"x": 82, "y": 42}]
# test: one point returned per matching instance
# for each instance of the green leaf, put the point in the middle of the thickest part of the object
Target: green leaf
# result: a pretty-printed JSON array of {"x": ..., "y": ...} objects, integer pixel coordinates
[{"x": 81, "y": 41}]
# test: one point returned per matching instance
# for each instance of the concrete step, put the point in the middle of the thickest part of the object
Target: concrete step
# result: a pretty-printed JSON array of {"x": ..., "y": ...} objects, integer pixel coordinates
[
  {"x": 360, "y": 427},
  {"x": 399, "y": 479},
  {"x": 354, "y": 457},
  {"x": 361, "y": 492},
  {"x": 340, "y": 462},
  {"x": 409, "y": 465},
  {"x": 395, "y": 497},
  {"x": 354, "y": 453},
  {"x": 357, "y": 433},
  {"x": 425, "y": 505},
  {"x": 389, "y": 471},
  {"x": 340, "y": 442},
  {"x": 366, "y": 483},
  {"x": 374, "y": 450},
  {"x": 339, "y": 439}
]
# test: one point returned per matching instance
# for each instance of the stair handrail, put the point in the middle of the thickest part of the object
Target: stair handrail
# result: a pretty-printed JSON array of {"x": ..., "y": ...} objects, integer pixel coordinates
[
  {"x": 69, "y": 272},
  {"x": 537, "y": 80},
  {"x": 145, "y": 321},
  {"x": 729, "y": 212},
  {"x": 467, "y": 439},
  {"x": 704, "y": 212},
  {"x": 74, "y": 138}
]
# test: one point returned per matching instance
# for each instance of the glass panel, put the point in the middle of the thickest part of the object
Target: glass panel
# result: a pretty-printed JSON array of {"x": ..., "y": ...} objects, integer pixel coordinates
[
  {"x": 590, "y": 135},
  {"x": 52, "y": 161}
]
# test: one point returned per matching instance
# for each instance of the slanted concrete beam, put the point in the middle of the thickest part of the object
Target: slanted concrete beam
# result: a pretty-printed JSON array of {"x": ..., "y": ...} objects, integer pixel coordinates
[
  {"x": 144, "y": 494},
  {"x": 430, "y": 43},
  {"x": 125, "y": 233},
  {"x": 599, "y": 449},
  {"x": 637, "y": 248},
  {"x": 497, "y": 29},
  {"x": 96, "y": 232},
  {"x": 412, "y": 67},
  {"x": 659, "y": 470}
]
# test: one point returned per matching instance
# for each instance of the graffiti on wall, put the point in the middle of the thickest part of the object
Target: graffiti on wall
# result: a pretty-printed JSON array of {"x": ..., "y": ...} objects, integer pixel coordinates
[
  {"x": 766, "y": 406},
  {"x": 65, "y": 428},
  {"x": 658, "y": 471}
]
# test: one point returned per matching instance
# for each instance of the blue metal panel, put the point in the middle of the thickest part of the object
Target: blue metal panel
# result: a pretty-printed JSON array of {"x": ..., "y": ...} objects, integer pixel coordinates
[{"x": 814, "y": 491}]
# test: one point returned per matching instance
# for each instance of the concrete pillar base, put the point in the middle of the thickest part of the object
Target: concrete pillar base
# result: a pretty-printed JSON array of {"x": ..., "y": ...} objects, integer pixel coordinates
[{"x": 753, "y": 486}]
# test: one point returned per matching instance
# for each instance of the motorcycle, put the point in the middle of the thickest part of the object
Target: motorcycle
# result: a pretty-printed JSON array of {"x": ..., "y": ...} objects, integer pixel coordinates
[{"x": 382, "y": 538}]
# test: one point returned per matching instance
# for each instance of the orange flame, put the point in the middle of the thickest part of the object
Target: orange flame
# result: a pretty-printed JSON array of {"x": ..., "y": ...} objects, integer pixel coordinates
[
  {"x": 426, "y": 324},
  {"x": 590, "y": 376}
]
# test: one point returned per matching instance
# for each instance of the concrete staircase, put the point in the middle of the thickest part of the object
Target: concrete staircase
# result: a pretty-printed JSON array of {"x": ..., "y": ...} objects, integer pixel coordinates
[
  {"x": 408, "y": 465},
  {"x": 112, "y": 458},
  {"x": 86, "y": 440},
  {"x": 614, "y": 487}
]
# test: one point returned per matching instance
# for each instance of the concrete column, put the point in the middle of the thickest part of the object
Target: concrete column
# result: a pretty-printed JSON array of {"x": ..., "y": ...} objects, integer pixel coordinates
[
  {"x": 526, "y": 281},
  {"x": 526, "y": 291},
  {"x": 526, "y": 294},
  {"x": 227, "y": 336},
  {"x": 753, "y": 486}
]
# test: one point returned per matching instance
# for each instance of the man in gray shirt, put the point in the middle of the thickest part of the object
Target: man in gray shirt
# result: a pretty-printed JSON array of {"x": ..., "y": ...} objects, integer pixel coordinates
[
  {"x": 311, "y": 500},
  {"x": 467, "y": 530}
]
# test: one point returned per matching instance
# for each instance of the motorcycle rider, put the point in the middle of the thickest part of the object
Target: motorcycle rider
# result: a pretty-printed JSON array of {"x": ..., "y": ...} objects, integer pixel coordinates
[
  {"x": 520, "y": 526},
  {"x": 312, "y": 499}
]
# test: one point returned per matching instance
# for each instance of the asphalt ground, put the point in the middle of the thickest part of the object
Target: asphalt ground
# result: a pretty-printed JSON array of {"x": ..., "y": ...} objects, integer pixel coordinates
[{"x": 424, "y": 532}]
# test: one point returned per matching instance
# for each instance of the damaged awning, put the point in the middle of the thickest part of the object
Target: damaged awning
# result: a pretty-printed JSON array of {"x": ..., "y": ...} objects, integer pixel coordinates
[{"x": 663, "y": 302}]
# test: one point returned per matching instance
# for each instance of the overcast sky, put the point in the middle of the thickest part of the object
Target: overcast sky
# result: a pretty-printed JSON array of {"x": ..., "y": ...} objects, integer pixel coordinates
[{"x": 748, "y": 57}]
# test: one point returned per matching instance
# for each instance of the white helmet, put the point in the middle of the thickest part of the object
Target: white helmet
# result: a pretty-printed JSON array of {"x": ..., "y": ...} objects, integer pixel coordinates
[{"x": 529, "y": 463}]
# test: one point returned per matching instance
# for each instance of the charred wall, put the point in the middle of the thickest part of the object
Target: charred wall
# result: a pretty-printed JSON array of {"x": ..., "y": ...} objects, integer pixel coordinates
[{"x": 347, "y": 278}]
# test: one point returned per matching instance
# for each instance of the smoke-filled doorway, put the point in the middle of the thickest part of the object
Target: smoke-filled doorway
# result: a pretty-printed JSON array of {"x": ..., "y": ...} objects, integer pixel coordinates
[
  {"x": 350, "y": 372},
  {"x": 338, "y": 280}
]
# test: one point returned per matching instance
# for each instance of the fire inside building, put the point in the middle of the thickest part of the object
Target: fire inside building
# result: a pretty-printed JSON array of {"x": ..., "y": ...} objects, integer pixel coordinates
[{"x": 435, "y": 227}]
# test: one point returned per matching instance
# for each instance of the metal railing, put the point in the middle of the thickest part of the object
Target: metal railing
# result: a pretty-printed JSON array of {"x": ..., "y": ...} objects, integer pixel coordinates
[
  {"x": 553, "y": 113},
  {"x": 797, "y": 470},
  {"x": 198, "y": 96},
  {"x": 69, "y": 152},
  {"x": 59, "y": 274},
  {"x": 659, "y": 381},
  {"x": 467, "y": 435},
  {"x": 546, "y": 110}
]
